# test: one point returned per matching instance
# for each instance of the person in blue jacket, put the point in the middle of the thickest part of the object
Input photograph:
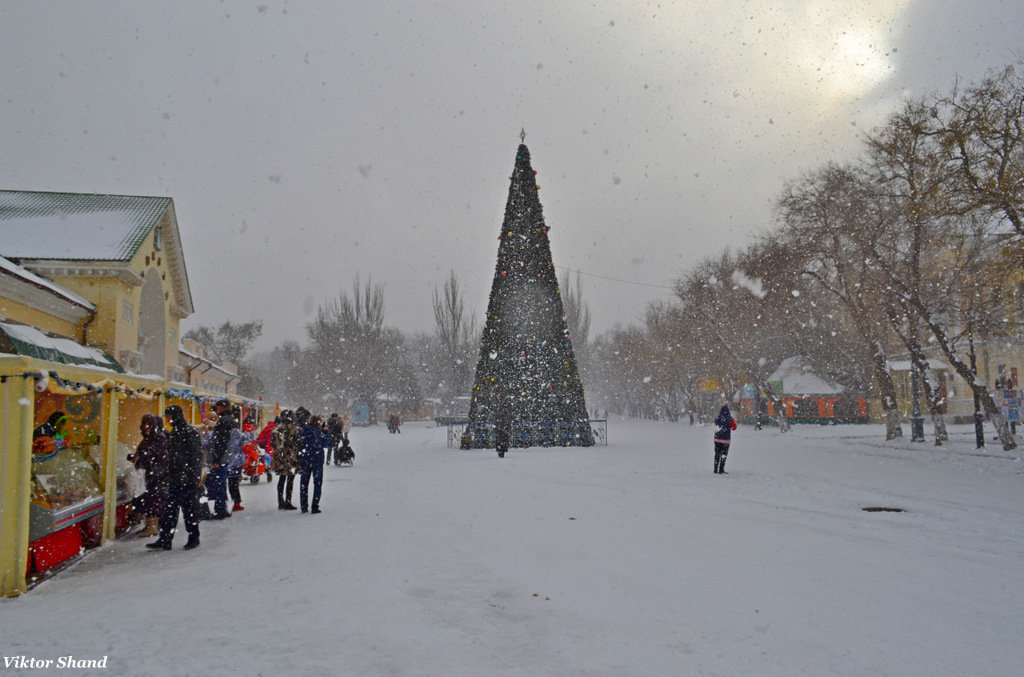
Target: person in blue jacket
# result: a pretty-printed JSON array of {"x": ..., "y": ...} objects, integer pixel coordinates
[
  {"x": 313, "y": 440},
  {"x": 723, "y": 437}
]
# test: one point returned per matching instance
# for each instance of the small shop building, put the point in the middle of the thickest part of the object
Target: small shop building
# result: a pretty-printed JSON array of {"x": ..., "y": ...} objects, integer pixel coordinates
[{"x": 807, "y": 397}]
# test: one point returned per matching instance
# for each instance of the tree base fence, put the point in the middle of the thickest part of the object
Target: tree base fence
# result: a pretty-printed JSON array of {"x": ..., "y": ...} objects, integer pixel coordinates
[{"x": 522, "y": 434}]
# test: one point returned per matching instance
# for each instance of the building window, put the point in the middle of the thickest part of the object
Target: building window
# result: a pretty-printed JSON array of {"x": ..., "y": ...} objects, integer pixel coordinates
[{"x": 127, "y": 311}]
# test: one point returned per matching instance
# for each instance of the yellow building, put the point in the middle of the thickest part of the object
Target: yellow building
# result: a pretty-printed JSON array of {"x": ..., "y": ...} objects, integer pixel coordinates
[{"x": 115, "y": 268}]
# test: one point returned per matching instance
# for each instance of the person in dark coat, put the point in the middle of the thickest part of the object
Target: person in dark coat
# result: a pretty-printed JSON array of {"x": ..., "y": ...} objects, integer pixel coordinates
[
  {"x": 314, "y": 439},
  {"x": 334, "y": 429},
  {"x": 151, "y": 457},
  {"x": 723, "y": 437},
  {"x": 286, "y": 457},
  {"x": 184, "y": 469},
  {"x": 501, "y": 435},
  {"x": 220, "y": 440}
]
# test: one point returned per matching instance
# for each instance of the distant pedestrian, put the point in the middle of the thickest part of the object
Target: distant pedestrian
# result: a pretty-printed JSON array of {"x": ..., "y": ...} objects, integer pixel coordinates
[
  {"x": 184, "y": 469},
  {"x": 501, "y": 435},
  {"x": 723, "y": 437},
  {"x": 334, "y": 428}
]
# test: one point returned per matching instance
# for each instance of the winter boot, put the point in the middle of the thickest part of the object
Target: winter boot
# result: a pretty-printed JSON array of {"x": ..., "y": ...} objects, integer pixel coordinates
[
  {"x": 152, "y": 527},
  {"x": 193, "y": 543},
  {"x": 237, "y": 507},
  {"x": 288, "y": 506},
  {"x": 159, "y": 544}
]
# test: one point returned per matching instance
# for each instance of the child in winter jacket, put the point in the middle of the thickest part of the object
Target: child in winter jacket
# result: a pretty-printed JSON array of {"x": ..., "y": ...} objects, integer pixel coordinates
[{"x": 235, "y": 461}]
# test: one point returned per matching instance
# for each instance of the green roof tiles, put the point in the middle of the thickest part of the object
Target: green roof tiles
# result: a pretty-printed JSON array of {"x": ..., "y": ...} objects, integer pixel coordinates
[{"x": 75, "y": 226}]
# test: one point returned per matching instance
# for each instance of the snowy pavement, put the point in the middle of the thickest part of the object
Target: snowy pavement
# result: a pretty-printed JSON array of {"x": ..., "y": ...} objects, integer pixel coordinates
[{"x": 630, "y": 559}]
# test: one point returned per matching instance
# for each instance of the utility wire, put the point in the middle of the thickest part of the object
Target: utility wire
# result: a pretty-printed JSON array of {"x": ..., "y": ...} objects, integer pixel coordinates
[{"x": 614, "y": 279}]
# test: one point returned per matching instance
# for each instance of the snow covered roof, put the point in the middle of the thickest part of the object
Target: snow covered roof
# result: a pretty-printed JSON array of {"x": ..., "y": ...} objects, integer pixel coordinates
[
  {"x": 46, "y": 232},
  {"x": 16, "y": 271},
  {"x": 798, "y": 379},
  {"x": 73, "y": 226},
  {"x": 25, "y": 340}
]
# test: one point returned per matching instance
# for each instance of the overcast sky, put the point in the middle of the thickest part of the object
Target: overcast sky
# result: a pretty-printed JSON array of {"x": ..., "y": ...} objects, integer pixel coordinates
[{"x": 305, "y": 143}]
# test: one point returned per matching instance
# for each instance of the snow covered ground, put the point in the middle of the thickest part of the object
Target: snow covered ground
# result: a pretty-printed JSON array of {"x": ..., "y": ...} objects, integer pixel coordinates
[{"x": 630, "y": 559}]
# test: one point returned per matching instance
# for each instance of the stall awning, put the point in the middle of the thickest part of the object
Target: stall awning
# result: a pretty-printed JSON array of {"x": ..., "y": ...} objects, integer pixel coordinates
[{"x": 21, "y": 339}]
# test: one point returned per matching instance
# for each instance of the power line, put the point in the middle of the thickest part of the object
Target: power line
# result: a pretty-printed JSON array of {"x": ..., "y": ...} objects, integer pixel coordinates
[{"x": 614, "y": 279}]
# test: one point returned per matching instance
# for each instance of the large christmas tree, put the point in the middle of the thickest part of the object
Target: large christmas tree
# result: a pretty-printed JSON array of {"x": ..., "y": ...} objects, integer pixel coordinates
[{"x": 526, "y": 378}]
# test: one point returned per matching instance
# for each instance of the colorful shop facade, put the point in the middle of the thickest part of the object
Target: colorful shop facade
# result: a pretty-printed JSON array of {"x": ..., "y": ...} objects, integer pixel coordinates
[{"x": 92, "y": 290}]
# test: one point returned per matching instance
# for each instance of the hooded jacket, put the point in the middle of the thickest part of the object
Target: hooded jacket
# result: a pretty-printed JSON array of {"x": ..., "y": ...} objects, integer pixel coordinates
[
  {"x": 726, "y": 424},
  {"x": 185, "y": 456},
  {"x": 151, "y": 454},
  {"x": 220, "y": 439}
]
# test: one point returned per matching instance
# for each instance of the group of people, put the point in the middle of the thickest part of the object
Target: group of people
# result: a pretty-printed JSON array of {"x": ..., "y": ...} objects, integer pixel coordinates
[
  {"x": 302, "y": 443},
  {"x": 174, "y": 462}
]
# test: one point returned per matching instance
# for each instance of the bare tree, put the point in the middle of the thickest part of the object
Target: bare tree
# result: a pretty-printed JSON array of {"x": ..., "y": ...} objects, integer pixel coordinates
[
  {"x": 733, "y": 333},
  {"x": 349, "y": 345},
  {"x": 984, "y": 128},
  {"x": 456, "y": 334},
  {"x": 577, "y": 319},
  {"x": 227, "y": 343},
  {"x": 910, "y": 163},
  {"x": 822, "y": 217},
  {"x": 231, "y": 343}
]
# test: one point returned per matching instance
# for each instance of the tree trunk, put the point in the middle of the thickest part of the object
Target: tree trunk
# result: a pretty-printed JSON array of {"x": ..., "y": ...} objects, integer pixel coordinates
[
  {"x": 887, "y": 395},
  {"x": 934, "y": 398},
  {"x": 988, "y": 403},
  {"x": 892, "y": 424}
]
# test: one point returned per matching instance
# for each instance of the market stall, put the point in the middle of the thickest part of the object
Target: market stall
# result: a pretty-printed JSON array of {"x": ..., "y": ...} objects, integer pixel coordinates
[{"x": 67, "y": 488}]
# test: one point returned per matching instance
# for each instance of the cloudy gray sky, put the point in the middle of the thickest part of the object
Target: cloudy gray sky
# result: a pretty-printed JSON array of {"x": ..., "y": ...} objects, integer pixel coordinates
[{"x": 307, "y": 142}]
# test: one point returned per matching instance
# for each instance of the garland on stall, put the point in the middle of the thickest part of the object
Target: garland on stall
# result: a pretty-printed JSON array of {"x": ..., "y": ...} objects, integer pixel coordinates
[{"x": 51, "y": 381}]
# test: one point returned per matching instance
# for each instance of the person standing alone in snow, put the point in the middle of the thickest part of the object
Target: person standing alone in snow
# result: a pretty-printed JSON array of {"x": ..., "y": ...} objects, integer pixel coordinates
[{"x": 723, "y": 437}]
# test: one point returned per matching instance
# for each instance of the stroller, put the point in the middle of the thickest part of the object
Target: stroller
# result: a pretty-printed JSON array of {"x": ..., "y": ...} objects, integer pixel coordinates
[
  {"x": 257, "y": 462},
  {"x": 344, "y": 455}
]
